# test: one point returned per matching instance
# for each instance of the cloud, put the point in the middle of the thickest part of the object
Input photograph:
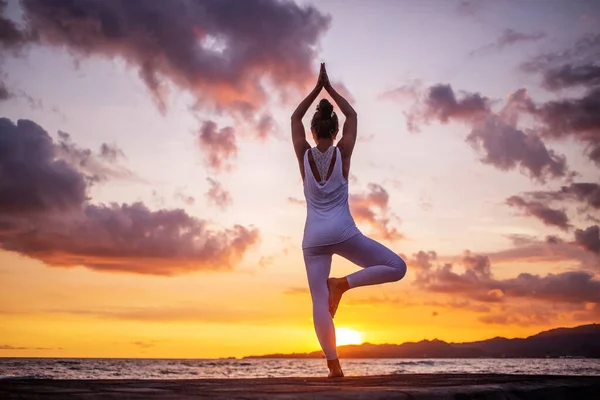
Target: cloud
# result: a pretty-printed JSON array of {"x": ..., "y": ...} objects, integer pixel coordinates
[
  {"x": 186, "y": 199},
  {"x": 110, "y": 152},
  {"x": 174, "y": 314},
  {"x": 11, "y": 37},
  {"x": 422, "y": 260},
  {"x": 496, "y": 135},
  {"x": 594, "y": 154},
  {"x": 5, "y": 94},
  {"x": 506, "y": 145},
  {"x": 471, "y": 8},
  {"x": 440, "y": 103},
  {"x": 462, "y": 304},
  {"x": 549, "y": 216},
  {"x": 529, "y": 249},
  {"x": 294, "y": 200},
  {"x": 132, "y": 239},
  {"x": 569, "y": 287},
  {"x": 217, "y": 195},
  {"x": 10, "y": 347},
  {"x": 379, "y": 300},
  {"x": 95, "y": 167},
  {"x": 575, "y": 117},
  {"x": 508, "y": 148},
  {"x": 590, "y": 313},
  {"x": 585, "y": 192},
  {"x": 292, "y": 291},
  {"x": 265, "y": 126},
  {"x": 589, "y": 238},
  {"x": 521, "y": 316},
  {"x": 585, "y": 51},
  {"x": 219, "y": 146},
  {"x": 144, "y": 344},
  {"x": 567, "y": 76},
  {"x": 509, "y": 37},
  {"x": 372, "y": 207},
  {"x": 45, "y": 214},
  {"x": 474, "y": 281},
  {"x": 572, "y": 117},
  {"x": 409, "y": 92},
  {"x": 478, "y": 283},
  {"x": 425, "y": 203},
  {"x": 36, "y": 181},
  {"x": 216, "y": 50}
]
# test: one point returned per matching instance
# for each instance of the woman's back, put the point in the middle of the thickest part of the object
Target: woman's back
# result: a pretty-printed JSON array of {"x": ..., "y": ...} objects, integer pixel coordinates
[{"x": 328, "y": 218}]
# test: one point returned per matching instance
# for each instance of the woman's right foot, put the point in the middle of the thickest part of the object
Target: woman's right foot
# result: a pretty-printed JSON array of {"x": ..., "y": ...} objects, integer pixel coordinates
[
  {"x": 337, "y": 287},
  {"x": 335, "y": 370}
]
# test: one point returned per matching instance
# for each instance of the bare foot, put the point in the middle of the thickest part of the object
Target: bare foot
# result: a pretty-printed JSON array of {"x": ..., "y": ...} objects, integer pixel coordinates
[
  {"x": 337, "y": 287},
  {"x": 335, "y": 370}
]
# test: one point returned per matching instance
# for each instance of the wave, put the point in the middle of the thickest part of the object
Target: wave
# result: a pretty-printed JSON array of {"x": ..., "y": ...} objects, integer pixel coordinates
[
  {"x": 35, "y": 376},
  {"x": 423, "y": 362}
]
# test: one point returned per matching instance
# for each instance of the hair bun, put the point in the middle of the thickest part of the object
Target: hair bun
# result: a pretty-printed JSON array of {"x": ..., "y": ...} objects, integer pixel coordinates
[{"x": 325, "y": 108}]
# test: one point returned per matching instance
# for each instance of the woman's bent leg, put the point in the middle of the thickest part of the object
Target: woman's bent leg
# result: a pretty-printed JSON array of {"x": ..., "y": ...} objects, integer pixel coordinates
[
  {"x": 380, "y": 264},
  {"x": 318, "y": 266}
]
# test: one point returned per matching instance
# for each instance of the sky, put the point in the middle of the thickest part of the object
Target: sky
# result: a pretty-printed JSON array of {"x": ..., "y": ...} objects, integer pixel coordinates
[{"x": 151, "y": 204}]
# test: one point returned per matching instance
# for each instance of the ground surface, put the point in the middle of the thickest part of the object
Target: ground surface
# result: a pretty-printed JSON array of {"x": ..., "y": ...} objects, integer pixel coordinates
[{"x": 413, "y": 386}]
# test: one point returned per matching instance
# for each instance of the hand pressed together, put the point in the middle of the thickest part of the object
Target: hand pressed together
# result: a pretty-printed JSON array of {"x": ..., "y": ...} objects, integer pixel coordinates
[{"x": 323, "y": 79}]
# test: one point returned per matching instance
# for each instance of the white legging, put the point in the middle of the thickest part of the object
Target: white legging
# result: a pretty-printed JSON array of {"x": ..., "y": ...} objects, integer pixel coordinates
[{"x": 379, "y": 264}]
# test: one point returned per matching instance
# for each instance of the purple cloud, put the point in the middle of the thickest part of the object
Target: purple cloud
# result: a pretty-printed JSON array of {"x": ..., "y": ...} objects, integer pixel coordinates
[
  {"x": 478, "y": 283},
  {"x": 589, "y": 238},
  {"x": 218, "y": 145},
  {"x": 508, "y": 148},
  {"x": 549, "y": 216},
  {"x": 216, "y": 50},
  {"x": 217, "y": 195},
  {"x": 509, "y": 37},
  {"x": 441, "y": 104},
  {"x": 45, "y": 214}
]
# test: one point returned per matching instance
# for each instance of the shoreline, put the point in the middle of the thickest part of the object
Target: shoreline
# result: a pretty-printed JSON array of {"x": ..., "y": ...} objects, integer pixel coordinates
[{"x": 413, "y": 386}]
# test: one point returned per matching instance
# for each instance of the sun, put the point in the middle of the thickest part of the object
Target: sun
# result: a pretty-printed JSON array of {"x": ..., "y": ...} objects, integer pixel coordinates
[{"x": 345, "y": 336}]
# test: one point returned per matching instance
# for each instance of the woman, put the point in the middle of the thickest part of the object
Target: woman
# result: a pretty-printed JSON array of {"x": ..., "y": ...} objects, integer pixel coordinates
[{"x": 330, "y": 228}]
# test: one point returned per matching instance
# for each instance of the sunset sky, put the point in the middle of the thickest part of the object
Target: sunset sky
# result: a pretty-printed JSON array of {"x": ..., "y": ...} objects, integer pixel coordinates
[{"x": 151, "y": 204}]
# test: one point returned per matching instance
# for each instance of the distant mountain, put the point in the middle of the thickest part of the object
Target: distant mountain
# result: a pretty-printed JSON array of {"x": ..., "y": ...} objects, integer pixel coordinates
[{"x": 581, "y": 341}]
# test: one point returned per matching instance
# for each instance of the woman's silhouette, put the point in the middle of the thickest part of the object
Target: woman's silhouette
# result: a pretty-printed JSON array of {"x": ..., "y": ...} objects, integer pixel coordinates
[{"x": 330, "y": 228}]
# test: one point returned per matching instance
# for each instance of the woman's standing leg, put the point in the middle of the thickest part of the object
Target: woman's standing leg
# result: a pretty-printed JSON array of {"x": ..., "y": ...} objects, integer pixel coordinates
[
  {"x": 380, "y": 265},
  {"x": 318, "y": 265}
]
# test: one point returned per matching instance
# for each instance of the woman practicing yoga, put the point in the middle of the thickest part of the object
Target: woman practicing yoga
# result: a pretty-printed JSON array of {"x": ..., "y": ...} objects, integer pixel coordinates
[{"x": 330, "y": 228}]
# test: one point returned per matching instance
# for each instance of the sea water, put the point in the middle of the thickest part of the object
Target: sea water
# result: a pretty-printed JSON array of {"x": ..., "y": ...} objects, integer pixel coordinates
[{"x": 115, "y": 368}]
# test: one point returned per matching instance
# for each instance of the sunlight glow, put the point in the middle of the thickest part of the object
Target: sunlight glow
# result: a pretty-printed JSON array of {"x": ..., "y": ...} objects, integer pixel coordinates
[{"x": 345, "y": 336}]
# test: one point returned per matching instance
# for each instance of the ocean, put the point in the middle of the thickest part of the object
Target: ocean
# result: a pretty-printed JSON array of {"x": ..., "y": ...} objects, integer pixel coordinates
[{"x": 136, "y": 368}]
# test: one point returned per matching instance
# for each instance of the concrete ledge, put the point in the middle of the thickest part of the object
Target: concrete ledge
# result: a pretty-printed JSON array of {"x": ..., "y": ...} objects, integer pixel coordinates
[{"x": 410, "y": 386}]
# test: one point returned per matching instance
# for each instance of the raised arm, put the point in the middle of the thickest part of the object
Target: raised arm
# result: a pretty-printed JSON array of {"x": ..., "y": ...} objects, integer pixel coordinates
[
  {"x": 298, "y": 133},
  {"x": 346, "y": 143}
]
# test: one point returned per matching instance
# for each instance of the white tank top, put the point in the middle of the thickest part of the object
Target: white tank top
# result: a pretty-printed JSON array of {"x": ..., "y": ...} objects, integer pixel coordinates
[{"x": 328, "y": 218}]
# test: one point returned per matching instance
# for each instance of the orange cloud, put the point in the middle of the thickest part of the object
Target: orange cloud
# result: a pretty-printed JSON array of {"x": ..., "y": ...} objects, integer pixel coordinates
[
  {"x": 218, "y": 315},
  {"x": 372, "y": 207},
  {"x": 296, "y": 291}
]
